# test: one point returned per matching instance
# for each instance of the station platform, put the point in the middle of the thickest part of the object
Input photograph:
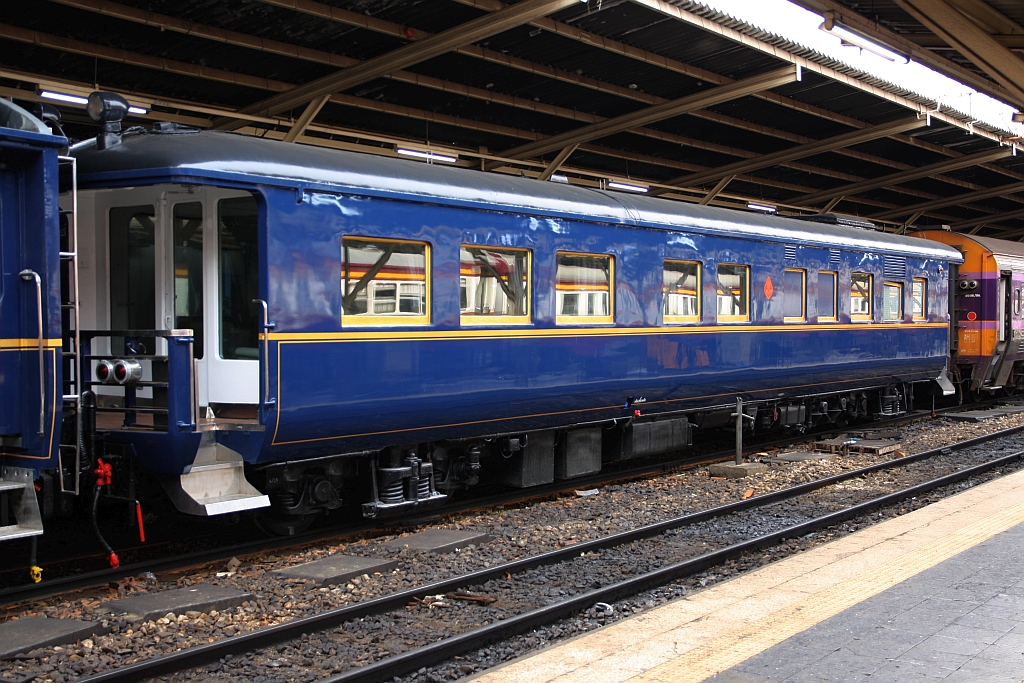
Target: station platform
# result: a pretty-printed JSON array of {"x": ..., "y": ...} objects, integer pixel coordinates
[{"x": 936, "y": 594}]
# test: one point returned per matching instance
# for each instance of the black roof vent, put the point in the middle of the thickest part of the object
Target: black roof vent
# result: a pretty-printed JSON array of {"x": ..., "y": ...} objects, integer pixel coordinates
[{"x": 839, "y": 219}]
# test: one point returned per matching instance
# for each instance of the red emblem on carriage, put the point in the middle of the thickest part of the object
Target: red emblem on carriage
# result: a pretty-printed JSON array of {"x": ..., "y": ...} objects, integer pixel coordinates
[
  {"x": 972, "y": 315},
  {"x": 769, "y": 289}
]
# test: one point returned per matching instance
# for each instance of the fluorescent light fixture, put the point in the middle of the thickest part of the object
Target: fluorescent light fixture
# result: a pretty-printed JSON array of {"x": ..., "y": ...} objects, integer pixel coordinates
[
  {"x": 627, "y": 187},
  {"x": 64, "y": 97},
  {"x": 429, "y": 156},
  {"x": 76, "y": 99},
  {"x": 767, "y": 208},
  {"x": 851, "y": 39},
  {"x": 558, "y": 178}
]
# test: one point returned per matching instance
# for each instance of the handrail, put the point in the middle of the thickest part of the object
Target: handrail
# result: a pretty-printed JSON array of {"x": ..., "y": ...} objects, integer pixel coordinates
[
  {"x": 265, "y": 356},
  {"x": 30, "y": 276}
]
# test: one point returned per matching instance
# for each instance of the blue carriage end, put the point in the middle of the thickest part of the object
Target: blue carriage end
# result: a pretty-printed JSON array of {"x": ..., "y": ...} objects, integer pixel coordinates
[{"x": 31, "y": 381}]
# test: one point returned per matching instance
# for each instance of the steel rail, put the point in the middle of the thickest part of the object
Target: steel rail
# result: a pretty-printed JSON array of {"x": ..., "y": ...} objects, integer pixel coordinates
[
  {"x": 443, "y": 650},
  {"x": 24, "y": 593},
  {"x": 203, "y": 654}
]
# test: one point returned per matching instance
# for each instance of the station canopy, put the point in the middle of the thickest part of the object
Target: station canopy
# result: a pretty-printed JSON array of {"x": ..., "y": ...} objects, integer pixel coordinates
[{"x": 678, "y": 99}]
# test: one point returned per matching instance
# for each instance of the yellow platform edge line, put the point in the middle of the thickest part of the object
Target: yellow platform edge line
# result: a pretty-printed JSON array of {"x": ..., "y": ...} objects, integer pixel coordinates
[{"x": 735, "y": 648}]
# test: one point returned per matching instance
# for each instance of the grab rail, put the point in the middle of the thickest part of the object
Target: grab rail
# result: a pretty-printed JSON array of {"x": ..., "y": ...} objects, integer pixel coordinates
[
  {"x": 267, "y": 326},
  {"x": 30, "y": 276}
]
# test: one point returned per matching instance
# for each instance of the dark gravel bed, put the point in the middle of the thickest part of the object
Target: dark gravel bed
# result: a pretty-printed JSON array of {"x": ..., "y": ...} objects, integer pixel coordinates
[{"x": 518, "y": 533}]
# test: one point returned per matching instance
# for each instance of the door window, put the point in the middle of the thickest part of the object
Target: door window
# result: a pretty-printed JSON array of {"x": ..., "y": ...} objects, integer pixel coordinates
[
  {"x": 237, "y": 221},
  {"x": 188, "y": 271},
  {"x": 132, "y": 266}
]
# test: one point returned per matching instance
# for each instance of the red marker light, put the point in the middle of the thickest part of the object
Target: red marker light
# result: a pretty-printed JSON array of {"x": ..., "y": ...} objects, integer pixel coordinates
[
  {"x": 972, "y": 316},
  {"x": 636, "y": 413}
]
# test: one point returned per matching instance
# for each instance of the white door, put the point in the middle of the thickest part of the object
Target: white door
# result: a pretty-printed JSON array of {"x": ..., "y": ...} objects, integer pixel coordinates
[{"x": 214, "y": 278}]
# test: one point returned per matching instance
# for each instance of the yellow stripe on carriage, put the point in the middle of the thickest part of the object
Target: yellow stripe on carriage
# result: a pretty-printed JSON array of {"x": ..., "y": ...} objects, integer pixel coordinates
[
  {"x": 16, "y": 344},
  {"x": 571, "y": 331}
]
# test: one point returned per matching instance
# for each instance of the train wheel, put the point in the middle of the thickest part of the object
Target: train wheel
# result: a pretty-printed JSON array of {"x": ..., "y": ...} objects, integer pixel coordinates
[{"x": 277, "y": 523}]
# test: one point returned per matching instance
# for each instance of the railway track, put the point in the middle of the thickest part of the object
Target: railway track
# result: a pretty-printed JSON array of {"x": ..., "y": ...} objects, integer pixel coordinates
[
  {"x": 75, "y": 580},
  {"x": 522, "y": 615}
]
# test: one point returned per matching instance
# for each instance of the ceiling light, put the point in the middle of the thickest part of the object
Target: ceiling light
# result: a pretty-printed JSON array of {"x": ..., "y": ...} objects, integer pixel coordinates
[
  {"x": 137, "y": 110},
  {"x": 64, "y": 97},
  {"x": 429, "y": 156},
  {"x": 767, "y": 208},
  {"x": 627, "y": 187},
  {"x": 863, "y": 43},
  {"x": 558, "y": 178}
]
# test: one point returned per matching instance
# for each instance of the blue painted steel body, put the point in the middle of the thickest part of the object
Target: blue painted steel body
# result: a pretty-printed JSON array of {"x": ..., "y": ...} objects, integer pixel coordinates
[
  {"x": 343, "y": 389},
  {"x": 29, "y": 240}
]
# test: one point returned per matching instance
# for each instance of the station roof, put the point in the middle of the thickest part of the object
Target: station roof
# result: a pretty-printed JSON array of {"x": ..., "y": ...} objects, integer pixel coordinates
[{"x": 672, "y": 97}]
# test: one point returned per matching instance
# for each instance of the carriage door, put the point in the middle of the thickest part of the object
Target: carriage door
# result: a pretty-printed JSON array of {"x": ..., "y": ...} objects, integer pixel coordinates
[{"x": 214, "y": 280}]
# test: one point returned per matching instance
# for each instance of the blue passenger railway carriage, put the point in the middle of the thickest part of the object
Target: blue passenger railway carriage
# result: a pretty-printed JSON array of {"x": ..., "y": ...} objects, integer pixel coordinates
[{"x": 272, "y": 327}]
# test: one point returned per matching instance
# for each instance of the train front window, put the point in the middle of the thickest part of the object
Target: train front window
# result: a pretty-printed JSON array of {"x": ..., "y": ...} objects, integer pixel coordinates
[
  {"x": 918, "y": 301},
  {"x": 860, "y": 296},
  {"x": 827, "y": 296},
  {"x": 494, "y": 285},
  {"x": 583, "y": 285},
  {"x": 794, "y": 295},
  {"x": 892, "y": 301},
  {"x": 681, "y": 286},
  {"x": 733, "y": 293},
  {"x": 237, "y": 221},
  {"x": 188, "y": 271},
  {"x": 384, "y": 282}
]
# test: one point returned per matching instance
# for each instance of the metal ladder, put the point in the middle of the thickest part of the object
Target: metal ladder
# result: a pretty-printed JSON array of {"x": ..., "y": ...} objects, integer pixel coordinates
[{"x": 71, "y": 344}]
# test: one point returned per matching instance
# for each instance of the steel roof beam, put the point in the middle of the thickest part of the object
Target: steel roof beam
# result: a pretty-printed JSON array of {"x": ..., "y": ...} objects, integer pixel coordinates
[
  {"x": 658, "y": 112},
  {"x": 904, "y": 43},
  {"x": 987, "y": 220},
  {"x": 906, "y": 176},
  {"x": 409, "y": 54},
  {"x": 988, "y": 17},
  {"x": 559, "y": 159},
  {"x": 970, "y": 40},
  {"x": 338, "y": 15},
  {"x": 184, "y": 68},
  {"x": 1000, "y": 191},
  {"x": 855, "y": 137}
]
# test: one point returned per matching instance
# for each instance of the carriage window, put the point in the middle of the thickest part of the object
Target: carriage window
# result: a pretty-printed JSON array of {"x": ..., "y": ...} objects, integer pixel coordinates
[
  {"x": 583, "y": 285},
  {"x": 132, "y": 263},
  {"x": 860, "y": 296},
  {"x": 494, "y": 286},
  {"x": 384, "y": 282},
  {"x": 682, "y": 291},
  {"x": 188, "y": 271},
  {"x": 918, "y": 299},
  {"x": 892, "y": 301},
  {"x": 827, "y": 296},
  {"x": 733, "y": 293},
  {"x": 794, "y": 295},
  {"x": 239, "y": 278}
]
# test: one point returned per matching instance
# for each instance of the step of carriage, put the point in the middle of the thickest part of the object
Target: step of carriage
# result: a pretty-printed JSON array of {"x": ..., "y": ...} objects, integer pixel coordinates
[
  {"x": 215, "y": 484},
  {"x": 18, "y": 498}
]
